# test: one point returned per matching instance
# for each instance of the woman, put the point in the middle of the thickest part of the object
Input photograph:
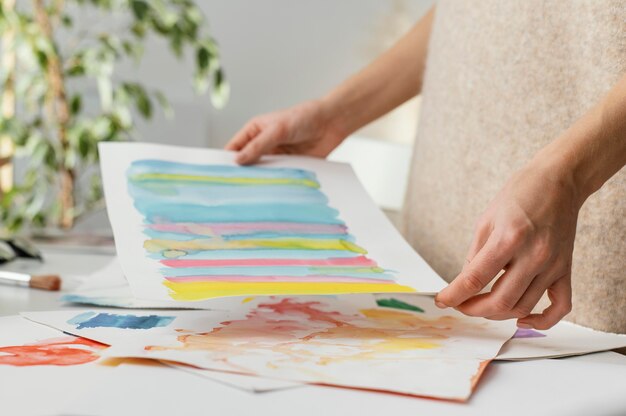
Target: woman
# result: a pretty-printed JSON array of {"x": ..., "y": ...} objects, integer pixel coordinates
[{"x": 524, "y": 105}]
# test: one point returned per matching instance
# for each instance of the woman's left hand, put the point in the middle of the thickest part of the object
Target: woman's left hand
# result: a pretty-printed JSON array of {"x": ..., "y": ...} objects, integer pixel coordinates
[{"x": 528, "y": 231}]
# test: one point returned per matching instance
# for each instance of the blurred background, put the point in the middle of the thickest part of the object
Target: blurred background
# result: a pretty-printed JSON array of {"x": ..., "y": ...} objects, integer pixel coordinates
[{"x": 277, "y": 53}]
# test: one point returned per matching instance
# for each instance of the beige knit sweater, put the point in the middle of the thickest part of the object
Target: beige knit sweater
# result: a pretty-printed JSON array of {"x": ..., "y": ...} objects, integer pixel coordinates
[{"x": 503, "y": 79}]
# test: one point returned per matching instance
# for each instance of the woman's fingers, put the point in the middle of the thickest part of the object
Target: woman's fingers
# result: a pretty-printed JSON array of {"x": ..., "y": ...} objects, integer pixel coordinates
[
  {"x": 532, "y": 260},
  {"x": 560, "y": 294},
  {"x": 243, "y": 137},
  {"x": 537, "y": 288},
  {"x": 504, "y": 296},
  {"x": 263, "y": 143},
  {"x": 531, "y": 297},
  {"x": 486, "y": 265},
  {"x": 481, "y": 235}
]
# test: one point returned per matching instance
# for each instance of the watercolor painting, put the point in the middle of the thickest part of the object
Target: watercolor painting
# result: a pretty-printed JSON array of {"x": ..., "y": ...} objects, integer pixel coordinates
[
  {"x": 192, "y": 226},
  {"x": 110, "y": 320},
  {"x": 109, "y": 288},
  {"x": 63, "y": 351},
  {"x": 394, "y": 343},
  {"x": 294, "y": 322},
  {"x": 220, "y": 230},
  {"x": 413, "y": 350}
]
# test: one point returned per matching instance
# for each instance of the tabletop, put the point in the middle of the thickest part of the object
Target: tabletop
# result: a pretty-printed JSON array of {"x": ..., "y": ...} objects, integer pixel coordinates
[{"x": 592, "y": 384}]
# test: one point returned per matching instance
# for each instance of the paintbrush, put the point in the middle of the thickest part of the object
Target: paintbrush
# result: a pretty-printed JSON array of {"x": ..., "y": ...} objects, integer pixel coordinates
[{"x": 45, "y": 281}]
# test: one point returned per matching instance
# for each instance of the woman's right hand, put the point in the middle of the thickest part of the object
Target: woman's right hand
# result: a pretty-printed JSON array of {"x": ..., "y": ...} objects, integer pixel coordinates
[{"x": 304, "y": 129}]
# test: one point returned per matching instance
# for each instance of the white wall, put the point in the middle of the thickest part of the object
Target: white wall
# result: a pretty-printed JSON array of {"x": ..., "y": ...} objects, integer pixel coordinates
[{"x": 277, "y": 53}]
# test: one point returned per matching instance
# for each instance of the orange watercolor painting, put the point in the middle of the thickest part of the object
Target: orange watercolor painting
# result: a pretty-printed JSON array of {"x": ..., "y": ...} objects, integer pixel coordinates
[
  {"x": 63, "y": 351},
  {"x": 420, "y": 351},
  {"x": 300, "y": 332}
]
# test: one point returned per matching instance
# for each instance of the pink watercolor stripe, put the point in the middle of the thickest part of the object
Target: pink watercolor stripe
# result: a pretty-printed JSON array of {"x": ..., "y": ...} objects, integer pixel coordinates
[
  {"x": 246, "y": 279},
  {"x": 360, "y": 261},
  {"x": 246, "y": 227}
]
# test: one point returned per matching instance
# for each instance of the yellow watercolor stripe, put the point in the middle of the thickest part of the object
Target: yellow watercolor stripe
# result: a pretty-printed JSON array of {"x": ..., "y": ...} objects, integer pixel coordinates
[
  {"x": 157, "y": 245},
  {"x": 223, "y": 180},
  {"x": 192, "y": 291}
]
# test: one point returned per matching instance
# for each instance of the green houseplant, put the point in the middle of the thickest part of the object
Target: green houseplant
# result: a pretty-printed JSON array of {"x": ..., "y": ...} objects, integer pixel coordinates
[{"x": 44, "y": 124}]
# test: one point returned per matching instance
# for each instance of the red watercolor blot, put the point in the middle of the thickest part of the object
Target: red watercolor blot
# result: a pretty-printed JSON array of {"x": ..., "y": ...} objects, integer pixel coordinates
[
  {"x": 310, "y": 309},
  {"x": 56, "y": 351}
]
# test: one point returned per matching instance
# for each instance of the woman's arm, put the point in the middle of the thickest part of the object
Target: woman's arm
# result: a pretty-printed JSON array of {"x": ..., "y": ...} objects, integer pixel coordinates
[
  {"x": 316, "y": 127},
  {"x": 529, "y": 228},
  {"x": 392, "y": 79},
  {"x": 593, "y": 149}
]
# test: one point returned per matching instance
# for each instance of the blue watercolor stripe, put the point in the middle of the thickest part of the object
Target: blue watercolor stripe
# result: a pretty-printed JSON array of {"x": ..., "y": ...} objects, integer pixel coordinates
[
  {"x": 97, "y": 300},
  {"x": 270, "y": 235},
  {"x": 173, "y": 212},
  {"x": 251, "y": 198},
  {"x": 261, "y": 254},
  {"x": 161, "y": 166},
  {"x": 211, "y": 194},
  {"x": 238, "y": 237},
  {"x": 295, "y": 271}
]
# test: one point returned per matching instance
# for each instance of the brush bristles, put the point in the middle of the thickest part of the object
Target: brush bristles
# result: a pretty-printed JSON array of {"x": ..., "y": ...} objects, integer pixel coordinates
[{"x": 46, "y": 282}]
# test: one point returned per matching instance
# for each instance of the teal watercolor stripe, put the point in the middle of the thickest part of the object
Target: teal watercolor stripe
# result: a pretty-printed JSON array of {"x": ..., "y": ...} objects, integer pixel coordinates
[
  {"x": 225, "y": 194},
  {"x": 161, "y": 235},
  {"x": 215, "y": 199},
  {"x": 261, "y": 254},
  {"x": 174, "y": 212},
  {"x": 294, "y": 271}
]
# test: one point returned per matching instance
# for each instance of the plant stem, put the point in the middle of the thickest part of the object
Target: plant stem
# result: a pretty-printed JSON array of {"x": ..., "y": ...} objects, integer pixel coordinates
[
  {"x": 9, "y": 62},
  {"x": 59, "y": 112}
]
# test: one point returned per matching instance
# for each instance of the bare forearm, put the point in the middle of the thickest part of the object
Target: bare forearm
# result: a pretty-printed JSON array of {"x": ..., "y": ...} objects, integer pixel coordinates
[
  {"x": 393, "y": 78},
  {"x": 593, "y": 149}
]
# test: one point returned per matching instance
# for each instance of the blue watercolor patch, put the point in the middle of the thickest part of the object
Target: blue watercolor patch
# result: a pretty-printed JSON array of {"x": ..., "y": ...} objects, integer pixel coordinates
[
  {"x": 97, "y": 300},
  {"x": 111, "y": 320}
]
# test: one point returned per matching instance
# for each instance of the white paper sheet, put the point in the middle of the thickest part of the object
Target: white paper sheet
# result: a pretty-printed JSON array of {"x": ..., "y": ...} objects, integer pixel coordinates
[
  {"x": 568, "y": 387},
  {"x": 113, "y": 334},
  {"x": 53, "y": 385},
  {"x": 316, "y": 341},
  {"x": 365, "y": 222},
  {"x": 109, "y": 288},
  {"x": 249, "y": 383},
  {"x": 564, "y": 339},
  {"x": 29, "y": 389}
]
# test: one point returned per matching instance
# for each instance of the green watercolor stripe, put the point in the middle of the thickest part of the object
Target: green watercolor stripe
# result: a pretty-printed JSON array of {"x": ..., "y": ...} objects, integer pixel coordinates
[
  {"x": 398, "y": 304},
  {"x": 144, "y": 177}
]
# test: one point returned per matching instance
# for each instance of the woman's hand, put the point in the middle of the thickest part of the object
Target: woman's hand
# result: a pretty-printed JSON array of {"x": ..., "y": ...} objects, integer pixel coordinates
[
  {"x": 315, "y": 128},
  {"x": 529, "y": 228},
  {"x": 528, "y": 231},
  {"x": 305, "y": 129}
]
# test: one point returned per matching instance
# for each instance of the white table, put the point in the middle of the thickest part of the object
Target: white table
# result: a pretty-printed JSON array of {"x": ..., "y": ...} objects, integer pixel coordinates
[
  {"x": 593, "y": 384},
  {"x": 73, "y": 267}
]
